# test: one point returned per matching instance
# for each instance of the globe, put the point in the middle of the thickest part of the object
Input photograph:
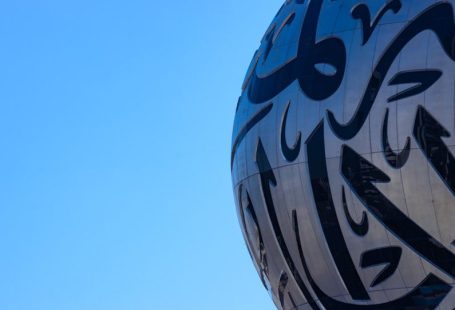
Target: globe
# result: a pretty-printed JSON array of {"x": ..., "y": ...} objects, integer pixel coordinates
[{"x": 343, "y": 151}]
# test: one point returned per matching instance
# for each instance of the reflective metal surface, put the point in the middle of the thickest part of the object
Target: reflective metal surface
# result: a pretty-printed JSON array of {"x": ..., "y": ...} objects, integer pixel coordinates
[{"x": 343, "y": 155}]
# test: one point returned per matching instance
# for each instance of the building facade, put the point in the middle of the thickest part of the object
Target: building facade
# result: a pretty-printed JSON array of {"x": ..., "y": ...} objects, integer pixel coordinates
[{"x": 343, "y": 151}]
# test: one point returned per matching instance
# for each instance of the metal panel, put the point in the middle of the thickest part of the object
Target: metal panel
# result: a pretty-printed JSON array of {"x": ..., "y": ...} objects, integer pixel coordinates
[{"x": 343, "y": 155}]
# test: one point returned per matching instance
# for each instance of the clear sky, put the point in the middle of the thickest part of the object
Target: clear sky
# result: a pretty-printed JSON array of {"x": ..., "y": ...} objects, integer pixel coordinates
[{"x": 115, "y": 133}]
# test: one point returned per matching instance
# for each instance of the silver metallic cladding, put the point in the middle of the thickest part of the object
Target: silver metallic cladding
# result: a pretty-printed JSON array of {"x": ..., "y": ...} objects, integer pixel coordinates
[{"x": 417, "y": 189}]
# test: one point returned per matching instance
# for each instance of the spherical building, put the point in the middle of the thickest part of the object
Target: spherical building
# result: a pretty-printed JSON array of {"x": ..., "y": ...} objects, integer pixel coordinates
[{"x": 343, "y": 155}]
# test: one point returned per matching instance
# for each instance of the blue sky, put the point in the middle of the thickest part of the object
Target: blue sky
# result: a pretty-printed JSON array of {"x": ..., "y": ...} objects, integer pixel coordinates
[{"x": 115, "y": 131}]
